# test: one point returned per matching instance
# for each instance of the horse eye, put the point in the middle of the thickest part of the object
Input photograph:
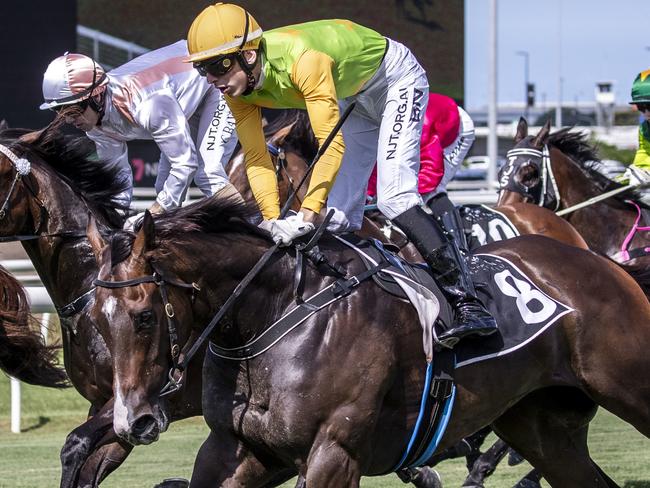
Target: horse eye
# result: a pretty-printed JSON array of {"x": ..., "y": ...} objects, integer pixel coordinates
[
  {"x": 528, "y": 174},
  {"x": 144, "y": 320}
]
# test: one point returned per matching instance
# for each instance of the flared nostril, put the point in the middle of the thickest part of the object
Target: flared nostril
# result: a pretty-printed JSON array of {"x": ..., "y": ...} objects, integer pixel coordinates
[{"x": 143, "y": 424}]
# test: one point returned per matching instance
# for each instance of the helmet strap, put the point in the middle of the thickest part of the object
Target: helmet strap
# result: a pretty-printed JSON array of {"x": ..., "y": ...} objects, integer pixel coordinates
[
  {"x": 248, "y": 69},
  {"x": 97, "y": 104}
]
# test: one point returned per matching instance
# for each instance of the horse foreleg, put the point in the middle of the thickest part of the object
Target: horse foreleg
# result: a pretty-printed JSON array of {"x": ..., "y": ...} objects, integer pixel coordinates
[
  {"x": 103, "y": 462},
  {"x": 223, "y": 461},
  {"x": 331, "y": 465},
  {"x": 486, "y": 463},
  {"x": 81, "y": 442},
  {"x": 531, "y": 480}
]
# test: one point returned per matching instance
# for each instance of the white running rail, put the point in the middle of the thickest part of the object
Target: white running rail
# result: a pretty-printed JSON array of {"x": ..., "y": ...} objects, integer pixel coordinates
[{"x": 129, "y": 50}]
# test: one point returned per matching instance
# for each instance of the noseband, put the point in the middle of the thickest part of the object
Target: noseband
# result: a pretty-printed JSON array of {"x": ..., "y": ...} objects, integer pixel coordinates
[
  {"x": 157, "y": 279},
  {"x": 544, "y": 194}
]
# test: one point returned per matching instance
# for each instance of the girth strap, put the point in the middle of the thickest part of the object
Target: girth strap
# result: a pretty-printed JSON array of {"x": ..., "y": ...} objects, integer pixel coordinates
[{"x": 337, "y": 290}]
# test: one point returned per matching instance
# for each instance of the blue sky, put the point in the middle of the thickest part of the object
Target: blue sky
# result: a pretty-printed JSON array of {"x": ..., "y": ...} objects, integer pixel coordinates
[{"x": 601, "y": 40}]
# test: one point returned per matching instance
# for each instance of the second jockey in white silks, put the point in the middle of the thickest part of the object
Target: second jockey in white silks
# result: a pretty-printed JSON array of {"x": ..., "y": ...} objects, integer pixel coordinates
[{"x": 155, "y": 97}]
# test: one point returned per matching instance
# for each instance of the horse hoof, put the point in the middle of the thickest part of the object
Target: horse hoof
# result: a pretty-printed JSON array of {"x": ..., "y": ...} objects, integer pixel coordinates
[
  {"x": 173, "y": 483},
  {"x": 427, "y": 478}
]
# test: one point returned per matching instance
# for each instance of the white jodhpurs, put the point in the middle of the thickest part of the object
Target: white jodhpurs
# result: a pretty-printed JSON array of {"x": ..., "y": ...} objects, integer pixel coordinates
[{"x": 385, "y": 126}]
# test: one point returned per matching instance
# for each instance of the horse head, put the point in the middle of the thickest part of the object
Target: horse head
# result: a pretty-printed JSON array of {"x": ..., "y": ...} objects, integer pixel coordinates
[
  {"x": 137, "y": 307},
  {"x": 149, "y": 305},
  {"x": 521, "y": 179},
  {"x": 554, "y": 170}
]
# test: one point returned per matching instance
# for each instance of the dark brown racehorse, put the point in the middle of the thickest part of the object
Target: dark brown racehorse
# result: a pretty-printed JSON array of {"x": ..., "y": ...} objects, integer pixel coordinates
[
  {"x": 330, "y": 400},
  {"x": 48, "y": 211},
  {"x": 292, "y": 141},
  {"x": 603, "y": 225},
  {"x": 23, "y": 352}
]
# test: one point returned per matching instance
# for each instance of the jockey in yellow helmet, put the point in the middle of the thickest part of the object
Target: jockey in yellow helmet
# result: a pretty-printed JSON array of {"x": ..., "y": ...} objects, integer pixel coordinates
[{"x": 322, "y": 67}]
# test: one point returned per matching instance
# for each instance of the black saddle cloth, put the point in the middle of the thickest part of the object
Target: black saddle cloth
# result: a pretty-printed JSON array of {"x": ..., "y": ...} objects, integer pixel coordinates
[
  {"x": 522, "y": 310},
  {"x": 484, "y": 225}
]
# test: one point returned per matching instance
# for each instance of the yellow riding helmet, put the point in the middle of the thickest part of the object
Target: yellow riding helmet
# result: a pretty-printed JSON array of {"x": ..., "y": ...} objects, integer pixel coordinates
[{"x": 222, "y": 28}]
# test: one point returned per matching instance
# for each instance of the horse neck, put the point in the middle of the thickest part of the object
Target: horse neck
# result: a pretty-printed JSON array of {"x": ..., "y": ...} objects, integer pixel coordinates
[
  {"x": 603, "y": 224},
  {"x": 195, "y": 262},
  {"x": 65, "y": 265},
  {"x": 573, "y": 184}
]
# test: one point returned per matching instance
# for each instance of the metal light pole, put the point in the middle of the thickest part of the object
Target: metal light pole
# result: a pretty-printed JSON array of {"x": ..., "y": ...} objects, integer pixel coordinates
[
  {"x": 492, "y": 142},
  {"x": 558, "y": 107},
  {"x": 526, "y": 80}
]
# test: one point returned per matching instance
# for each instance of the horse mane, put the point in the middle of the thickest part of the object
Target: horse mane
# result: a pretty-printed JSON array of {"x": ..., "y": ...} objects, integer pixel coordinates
[
  {"x": 23, "y": 352},
  {"x": 576, "y": 145},
  {"x": 185, "y": 225},
  {"x": 301, "y": 138},
  {"x": 71, "y": 157}
]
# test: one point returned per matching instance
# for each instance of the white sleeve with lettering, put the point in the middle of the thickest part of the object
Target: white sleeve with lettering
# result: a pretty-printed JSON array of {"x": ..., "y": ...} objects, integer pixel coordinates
[
  {"x": 216, "y": 141},
  {"x": 165, "y": 120}
]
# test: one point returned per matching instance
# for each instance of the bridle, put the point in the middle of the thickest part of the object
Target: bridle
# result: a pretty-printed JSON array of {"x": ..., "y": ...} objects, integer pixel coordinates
[
  {"x": 23, "y": 168},
  {"x": 161, "y": 282},
  {"x": 281, "y": 167},
  {"x": 545, "y": 193}
]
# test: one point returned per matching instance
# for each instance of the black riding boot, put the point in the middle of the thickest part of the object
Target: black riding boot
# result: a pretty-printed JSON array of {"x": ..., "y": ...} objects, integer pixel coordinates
[
  {"x": 452, "y": 223},
  {"x": 451, "y": 274}
]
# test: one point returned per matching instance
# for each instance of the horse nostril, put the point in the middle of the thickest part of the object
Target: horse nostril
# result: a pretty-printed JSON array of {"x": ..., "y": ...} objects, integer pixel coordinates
[{"x": 143, "y": 424}]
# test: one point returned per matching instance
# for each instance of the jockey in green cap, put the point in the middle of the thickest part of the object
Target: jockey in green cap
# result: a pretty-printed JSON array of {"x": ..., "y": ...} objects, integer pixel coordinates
[{"x": 639, "y": 170}]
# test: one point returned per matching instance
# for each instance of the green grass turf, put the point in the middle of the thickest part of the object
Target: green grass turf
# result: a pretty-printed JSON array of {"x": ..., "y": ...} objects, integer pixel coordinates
[{"x": 31, "y": 458}]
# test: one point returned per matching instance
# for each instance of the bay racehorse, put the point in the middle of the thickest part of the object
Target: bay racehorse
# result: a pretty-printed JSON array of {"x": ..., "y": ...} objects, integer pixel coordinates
[
  {"x": 558, "y": 170},
  {"x": 47, "y": 209},
  {"x": 331, "y": 400},
  {"x": 23, "y": 351},
  {"x": 291, "y": 141}
]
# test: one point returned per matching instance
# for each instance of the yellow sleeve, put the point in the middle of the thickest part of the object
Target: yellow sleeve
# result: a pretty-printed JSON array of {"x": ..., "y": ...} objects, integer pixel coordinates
[
  {"x": 642, "y": 156},
  {"x": 312, "y": 75},
  {"x": 259, "y": 167}
]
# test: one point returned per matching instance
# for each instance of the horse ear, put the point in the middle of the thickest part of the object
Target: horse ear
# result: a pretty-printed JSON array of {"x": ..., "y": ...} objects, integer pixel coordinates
[
  {"x": 97, "y": 242},
  {"x": 542, "y": 135},
  {"x": 522, "y": 130},
  {"x": 146, "y": 236}
]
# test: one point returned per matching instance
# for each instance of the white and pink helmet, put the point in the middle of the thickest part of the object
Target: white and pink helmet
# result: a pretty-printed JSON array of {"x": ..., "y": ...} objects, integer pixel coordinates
[{"x": 70, "y": 79}]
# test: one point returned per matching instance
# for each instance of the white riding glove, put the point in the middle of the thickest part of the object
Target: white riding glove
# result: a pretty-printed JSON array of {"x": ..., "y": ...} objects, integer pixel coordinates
[
  {"x": 637, "y": 176},
  {"x": 284, "y": 231},
  {"x": 130, "y": 223}
]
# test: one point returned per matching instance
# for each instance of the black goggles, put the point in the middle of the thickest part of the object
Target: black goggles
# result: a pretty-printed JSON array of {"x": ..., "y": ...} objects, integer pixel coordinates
[
  {"x": 216, "y": 67},
  {"x": 643, "y": 107}
]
